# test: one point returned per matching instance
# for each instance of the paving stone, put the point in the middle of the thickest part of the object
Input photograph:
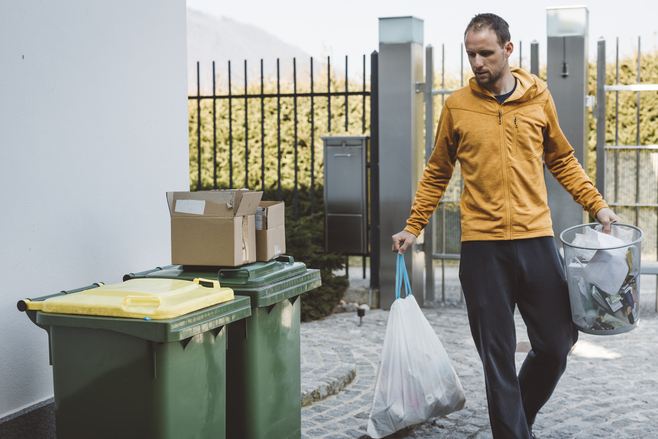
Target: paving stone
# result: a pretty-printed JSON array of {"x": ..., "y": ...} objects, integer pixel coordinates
[
  {"x": 317, "y": 432},
  {"x": 351, "y": 422}
]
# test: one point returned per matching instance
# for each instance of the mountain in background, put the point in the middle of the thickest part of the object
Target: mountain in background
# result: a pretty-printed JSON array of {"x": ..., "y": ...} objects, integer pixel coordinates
[{"x": 221, "y": 40}]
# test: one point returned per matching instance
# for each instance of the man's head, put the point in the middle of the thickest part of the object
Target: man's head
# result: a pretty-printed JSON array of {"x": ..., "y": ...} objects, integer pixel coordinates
[
  {"x": 492, "y": 22},
  {"x": 488, "y": 46}
]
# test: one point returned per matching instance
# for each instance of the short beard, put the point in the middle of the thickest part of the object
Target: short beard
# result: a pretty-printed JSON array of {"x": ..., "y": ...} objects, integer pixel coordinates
[{"x": 492, "y": 79}]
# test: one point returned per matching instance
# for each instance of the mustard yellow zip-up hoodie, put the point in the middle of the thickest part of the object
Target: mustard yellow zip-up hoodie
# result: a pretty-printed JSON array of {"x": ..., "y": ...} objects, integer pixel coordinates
[{"x": 500, "y": 150}]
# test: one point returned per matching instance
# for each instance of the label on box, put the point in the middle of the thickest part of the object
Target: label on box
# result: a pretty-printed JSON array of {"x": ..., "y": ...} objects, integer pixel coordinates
[{"x": 195, "y": 207}]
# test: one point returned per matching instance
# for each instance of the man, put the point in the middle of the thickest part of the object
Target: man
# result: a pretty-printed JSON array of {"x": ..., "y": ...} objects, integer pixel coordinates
[{"x": 499, "y": 127}]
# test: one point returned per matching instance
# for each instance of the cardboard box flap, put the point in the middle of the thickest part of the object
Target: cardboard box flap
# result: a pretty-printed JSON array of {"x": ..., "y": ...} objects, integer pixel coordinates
[
  {"x": 274, "y": 214},
  {"x": 227, "y": 203},
  {"x": 248, "y": 204}
]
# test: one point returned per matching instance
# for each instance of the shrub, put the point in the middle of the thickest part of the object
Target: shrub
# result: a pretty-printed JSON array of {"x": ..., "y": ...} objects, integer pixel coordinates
[{"x": 302, "y": 242}]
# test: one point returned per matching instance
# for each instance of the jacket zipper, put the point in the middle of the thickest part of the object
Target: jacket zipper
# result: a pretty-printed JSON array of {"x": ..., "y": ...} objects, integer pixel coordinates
[
  {"x": 503, "y": 150},
  {"x": 516, "y": 138}
]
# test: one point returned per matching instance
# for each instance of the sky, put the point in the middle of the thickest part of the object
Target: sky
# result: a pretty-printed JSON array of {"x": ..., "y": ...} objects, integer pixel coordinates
[{"x": 350, "y": 27}]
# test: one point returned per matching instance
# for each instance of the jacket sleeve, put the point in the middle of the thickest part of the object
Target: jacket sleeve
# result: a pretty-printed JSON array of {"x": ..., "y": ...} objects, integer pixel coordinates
[
  {"x": 436, "y": 176},
  {"x": 563, "y": 164}
]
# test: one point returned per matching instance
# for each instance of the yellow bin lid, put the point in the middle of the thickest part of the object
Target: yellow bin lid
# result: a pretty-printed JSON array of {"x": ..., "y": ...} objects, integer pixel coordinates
[{"x": 139, "y": 298}]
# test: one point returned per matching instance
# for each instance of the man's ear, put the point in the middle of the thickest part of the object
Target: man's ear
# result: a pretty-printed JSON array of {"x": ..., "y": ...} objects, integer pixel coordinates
[{"x": 509, "y": 48}]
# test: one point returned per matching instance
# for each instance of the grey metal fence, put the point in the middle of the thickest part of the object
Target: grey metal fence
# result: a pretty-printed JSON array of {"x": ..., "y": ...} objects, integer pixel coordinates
[
  {"x": 224, "y": 142},
  {"x": 627, "y": 175}
]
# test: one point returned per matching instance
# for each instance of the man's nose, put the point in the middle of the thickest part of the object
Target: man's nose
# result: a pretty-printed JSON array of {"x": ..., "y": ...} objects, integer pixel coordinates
[{"x": 477, "y": 61}]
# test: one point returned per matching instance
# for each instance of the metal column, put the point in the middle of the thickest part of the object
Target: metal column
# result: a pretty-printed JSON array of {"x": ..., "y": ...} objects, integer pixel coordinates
[
  {"x": 566, "y": 75},
  {"x": 428, "y": 244},
  {"x": 400, "y": 144},
  {"x": 534, "y": 57}
]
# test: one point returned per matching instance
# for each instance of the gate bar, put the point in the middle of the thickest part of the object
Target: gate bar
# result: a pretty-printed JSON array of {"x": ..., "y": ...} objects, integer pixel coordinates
[
  {"x": 262, "y": 130},
  {"x": 278, "y": 131},
  {"x": 313, "y": 145},
  {"x": 633, "y": 87},
  {"x": 214, "y": 130},
  {"x": 600, "y": 118},
  {"x": 294, "y": 81},
  {"x": 246, "y": 131},
  {"x": 198, "y": 126},
  {"x": 230, "y": 130},
  {"x": 637, "y": 152}
]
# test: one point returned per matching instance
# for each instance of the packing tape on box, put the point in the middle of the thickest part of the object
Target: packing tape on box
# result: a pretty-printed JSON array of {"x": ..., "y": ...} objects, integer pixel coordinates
[{"x": 245, "y": 239}]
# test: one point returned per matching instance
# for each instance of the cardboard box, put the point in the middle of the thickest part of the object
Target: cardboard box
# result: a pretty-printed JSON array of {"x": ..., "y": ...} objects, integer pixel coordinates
[
  {"x": 216, "y": 228},
  {"x": 270, "y": 230}
]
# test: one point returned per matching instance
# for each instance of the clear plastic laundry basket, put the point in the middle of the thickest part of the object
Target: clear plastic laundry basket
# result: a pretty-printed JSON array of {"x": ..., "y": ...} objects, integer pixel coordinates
[{"x": 603, "y": 272}]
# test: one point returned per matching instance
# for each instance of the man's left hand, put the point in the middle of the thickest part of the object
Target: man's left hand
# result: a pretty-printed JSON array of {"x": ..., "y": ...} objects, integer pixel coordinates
[{"x": 606, "y": 216}]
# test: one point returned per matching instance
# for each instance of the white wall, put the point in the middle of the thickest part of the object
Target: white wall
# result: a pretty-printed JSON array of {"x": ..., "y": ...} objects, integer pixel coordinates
[{"x": 93, "y": 132}]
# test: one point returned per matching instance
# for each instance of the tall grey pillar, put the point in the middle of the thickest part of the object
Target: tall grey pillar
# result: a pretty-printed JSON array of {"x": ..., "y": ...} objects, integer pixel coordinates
[
  {"x": 400, "y": 145},
  {"x": 566, "y": 75}
]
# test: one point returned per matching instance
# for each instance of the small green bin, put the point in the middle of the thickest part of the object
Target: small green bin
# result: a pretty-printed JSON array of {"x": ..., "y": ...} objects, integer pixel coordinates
[
  {"x": 263, "y": 390},
  {"x": 127, "y": 377}
]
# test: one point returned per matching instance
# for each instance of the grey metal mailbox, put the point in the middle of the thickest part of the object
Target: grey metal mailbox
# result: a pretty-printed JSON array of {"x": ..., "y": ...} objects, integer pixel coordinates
[{"x": 345, "y": 194}]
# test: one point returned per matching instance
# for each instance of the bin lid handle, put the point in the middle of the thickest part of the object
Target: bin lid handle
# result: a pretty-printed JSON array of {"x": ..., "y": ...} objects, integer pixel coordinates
[
  {"x": 198, "y": 280},
  {"x": 145, "y": 304},
  {"x": 25, "y": 304},
  {"x": 233, "y": 273},
  {"x": 227, "y": 273},
  {"x": 286, "y": 259}
]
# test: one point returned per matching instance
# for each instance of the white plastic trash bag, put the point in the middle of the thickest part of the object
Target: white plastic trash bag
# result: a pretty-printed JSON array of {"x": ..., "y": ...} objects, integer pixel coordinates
[{"x": 415, "y": 379}]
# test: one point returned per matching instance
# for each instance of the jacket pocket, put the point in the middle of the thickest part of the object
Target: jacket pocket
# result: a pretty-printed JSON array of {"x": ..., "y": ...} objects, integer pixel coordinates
[
  {"x": 527, "y": 138},
  {"x": 516, "y": 136}
]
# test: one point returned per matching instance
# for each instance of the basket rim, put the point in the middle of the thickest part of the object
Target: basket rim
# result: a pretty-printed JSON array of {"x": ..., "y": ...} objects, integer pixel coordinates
[{"x": 601, "y": 248}]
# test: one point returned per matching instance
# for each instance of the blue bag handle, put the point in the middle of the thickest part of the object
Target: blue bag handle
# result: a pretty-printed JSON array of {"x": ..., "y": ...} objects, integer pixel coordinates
[{"x": 400, "y": 276}]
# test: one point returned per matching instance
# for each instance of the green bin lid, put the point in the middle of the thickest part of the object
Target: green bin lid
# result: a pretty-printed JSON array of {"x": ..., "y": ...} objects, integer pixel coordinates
[{"x": 266, "y": 283}]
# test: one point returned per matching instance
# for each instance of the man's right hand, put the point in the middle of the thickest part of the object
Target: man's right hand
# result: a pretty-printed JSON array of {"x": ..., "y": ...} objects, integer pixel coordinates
[{"x": 402, "y": 240}]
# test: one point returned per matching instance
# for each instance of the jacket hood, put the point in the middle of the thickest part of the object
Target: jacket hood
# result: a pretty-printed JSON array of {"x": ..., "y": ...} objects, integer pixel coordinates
[{"x": 527, "y": 86}]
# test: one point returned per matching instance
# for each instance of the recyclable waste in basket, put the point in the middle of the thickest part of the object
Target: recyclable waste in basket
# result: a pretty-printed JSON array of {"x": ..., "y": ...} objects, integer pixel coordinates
[
  {"x": 145, "y": 358},
  {"x": 603, "y": 274},
  {"x": 263, "y": 357}
]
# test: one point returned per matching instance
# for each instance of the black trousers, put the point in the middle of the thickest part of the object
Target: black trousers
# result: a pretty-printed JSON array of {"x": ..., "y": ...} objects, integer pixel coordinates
[{"x": 496, "y": 276}]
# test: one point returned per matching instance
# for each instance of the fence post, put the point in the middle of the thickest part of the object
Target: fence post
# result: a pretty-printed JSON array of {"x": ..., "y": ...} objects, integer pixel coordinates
[
  {"x": 600, "y": 118},
  {"x": 428, "y": 245},
  {"x": 534, "y": 58},
  {"x": 567, "y": 78},
  {"x": 374, "y": 171},
  {"x": 400, "y": 144}
]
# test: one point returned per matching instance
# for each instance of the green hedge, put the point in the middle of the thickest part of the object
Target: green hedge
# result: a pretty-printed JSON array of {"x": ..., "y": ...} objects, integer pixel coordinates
[
  {"x": 307, "y": 140},
  {"x": 305, "y": 242}
]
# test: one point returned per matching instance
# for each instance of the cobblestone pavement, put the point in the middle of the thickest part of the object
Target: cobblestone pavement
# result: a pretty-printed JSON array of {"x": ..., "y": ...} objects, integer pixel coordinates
[{"x": 610, "y": 388}]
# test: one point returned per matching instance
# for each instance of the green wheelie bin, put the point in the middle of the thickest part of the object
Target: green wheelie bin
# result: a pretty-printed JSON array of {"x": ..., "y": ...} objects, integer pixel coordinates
[
  {"x": 144, "y": 359},
  {"x": 263, "y": 391}
]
